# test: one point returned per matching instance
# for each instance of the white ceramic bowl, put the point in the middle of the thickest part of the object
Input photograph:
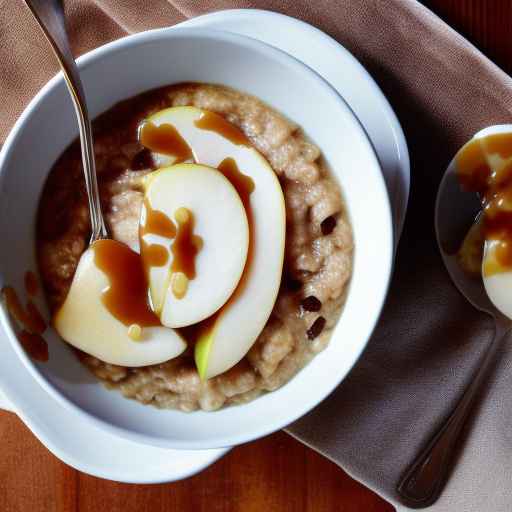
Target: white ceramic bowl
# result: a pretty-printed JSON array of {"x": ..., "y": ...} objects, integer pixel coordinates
[{"x": 143, "y": 61}]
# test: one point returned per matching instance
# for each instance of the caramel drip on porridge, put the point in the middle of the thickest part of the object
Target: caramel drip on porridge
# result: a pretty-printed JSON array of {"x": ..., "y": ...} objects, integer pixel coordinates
[
  {"x": 14, "y": 306},
  {"x": 34, "y": 345},
  {"x": 244, "y": 185},
  {"x": 127, "y": 295},
  {"x": 32, "y": 322},
  {"x": 30, "y": 318},
  {"x": 213, "y": 122},
  {"x": 165, "y": 139},
  {"x": 37, "y": 321},
  {"x": 186, "y": 245},
  {"x": 31, "y": 283},
  {"x": 157, "y": 223},
  {"x": 142, "y": 160},
  {"x": 484, "y": 166}
]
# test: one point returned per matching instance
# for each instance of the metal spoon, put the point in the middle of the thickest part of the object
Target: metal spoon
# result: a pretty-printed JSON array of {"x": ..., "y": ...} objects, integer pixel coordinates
[
  {"x": 49, "y": 14},
  {"x": 455, "y": 213}
]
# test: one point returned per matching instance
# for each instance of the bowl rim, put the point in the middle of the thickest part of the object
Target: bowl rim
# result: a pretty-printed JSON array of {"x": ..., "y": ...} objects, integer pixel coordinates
[
  {"x": 392, "y": 120},
  {"x": 385, "y": 255}
]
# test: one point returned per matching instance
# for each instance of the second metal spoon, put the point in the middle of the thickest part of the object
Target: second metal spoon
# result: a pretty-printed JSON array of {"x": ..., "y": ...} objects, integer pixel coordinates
[{"x": 455, "y": 212}]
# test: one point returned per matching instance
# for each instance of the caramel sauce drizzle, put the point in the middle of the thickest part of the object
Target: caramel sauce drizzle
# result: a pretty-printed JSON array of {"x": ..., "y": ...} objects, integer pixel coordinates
[
  {"x": 34, "y": 345},
  {"x": 32, "y": 322},
  {"x": 126, "y": 298},
  {"x": 157, "y": 223},
  {"x": 30, "y": 318},
  {"x": 16, "y": 310},
  {"x": 31, "y": 283},
  {"x": 184, "y": 248},
  {"x": 38, "y": 323},
  {"x": 186, "y": 245},
  {"x": 484, "y": 166},
  {"x": 165, "y": 139},
  {"x": 243, "y": 184},
  {"x": 213, "y": 122},
  {"x": 153, "y": 255}
]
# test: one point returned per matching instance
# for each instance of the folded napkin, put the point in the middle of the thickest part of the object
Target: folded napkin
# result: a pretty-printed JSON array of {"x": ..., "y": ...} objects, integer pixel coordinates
[{"x": 430, "y": 339}]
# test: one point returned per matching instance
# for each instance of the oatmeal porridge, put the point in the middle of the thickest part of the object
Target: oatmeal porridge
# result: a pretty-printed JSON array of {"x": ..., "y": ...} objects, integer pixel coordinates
[{"x": 318, "y": 253}]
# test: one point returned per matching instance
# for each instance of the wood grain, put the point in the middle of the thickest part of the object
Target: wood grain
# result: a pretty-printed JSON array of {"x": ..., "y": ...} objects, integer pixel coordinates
[
  {"x": 274, "y": 474},
  {"x": 486, "y": 23}
]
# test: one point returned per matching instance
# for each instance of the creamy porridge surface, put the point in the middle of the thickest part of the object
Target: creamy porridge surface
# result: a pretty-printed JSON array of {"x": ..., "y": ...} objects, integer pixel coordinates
[{"x": 318, "y": 259}]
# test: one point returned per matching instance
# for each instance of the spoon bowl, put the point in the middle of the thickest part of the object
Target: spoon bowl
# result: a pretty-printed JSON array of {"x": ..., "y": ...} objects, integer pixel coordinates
[{"x": 455, "y": 212}]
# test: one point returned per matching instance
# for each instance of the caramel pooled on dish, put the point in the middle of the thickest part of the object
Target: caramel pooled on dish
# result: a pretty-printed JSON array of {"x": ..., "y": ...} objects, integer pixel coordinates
[{"x": 484, "y": 166}]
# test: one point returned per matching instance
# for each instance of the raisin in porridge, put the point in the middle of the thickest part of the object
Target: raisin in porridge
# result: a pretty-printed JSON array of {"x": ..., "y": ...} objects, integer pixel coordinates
[{"x": 318, "y": 254}]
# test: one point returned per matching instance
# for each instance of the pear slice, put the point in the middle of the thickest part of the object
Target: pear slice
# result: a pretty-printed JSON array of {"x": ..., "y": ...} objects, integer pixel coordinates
[
  {"x": 85, "y": 322},
  {"x": 221, "y": 230},
  {"x": 497, "y": 278},
  {"x": 228, "y": 336}
]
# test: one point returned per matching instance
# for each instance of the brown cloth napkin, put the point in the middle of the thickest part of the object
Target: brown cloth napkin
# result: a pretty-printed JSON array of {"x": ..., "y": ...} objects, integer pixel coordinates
[{"x": 429, "y": 339}]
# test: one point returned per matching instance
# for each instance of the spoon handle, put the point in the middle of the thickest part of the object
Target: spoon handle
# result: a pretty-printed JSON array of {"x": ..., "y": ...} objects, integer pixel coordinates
[
  {"x": 424, "y": 480},
  {"x": 49, "y": 14}
]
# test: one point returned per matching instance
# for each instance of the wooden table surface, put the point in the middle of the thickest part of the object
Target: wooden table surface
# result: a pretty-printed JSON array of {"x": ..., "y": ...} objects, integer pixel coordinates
[{"x": 274, "y": 474}]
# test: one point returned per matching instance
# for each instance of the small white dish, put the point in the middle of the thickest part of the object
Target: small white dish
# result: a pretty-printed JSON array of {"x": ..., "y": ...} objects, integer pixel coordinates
[{"x": 89, "y": 448}]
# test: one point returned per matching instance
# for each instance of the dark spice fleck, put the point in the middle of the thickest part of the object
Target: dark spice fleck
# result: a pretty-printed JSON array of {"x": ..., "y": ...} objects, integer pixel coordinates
[
  {"x": 35, "y": 345},
  {"x": 311, "y": 303},
  {"x": 316, "y": 328},
  {"x": 327, "y": 226},
  {"x": 293, "y": 285},
  {"x": 142, "y": 160},
  {"x": 289, "y": 282}
]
